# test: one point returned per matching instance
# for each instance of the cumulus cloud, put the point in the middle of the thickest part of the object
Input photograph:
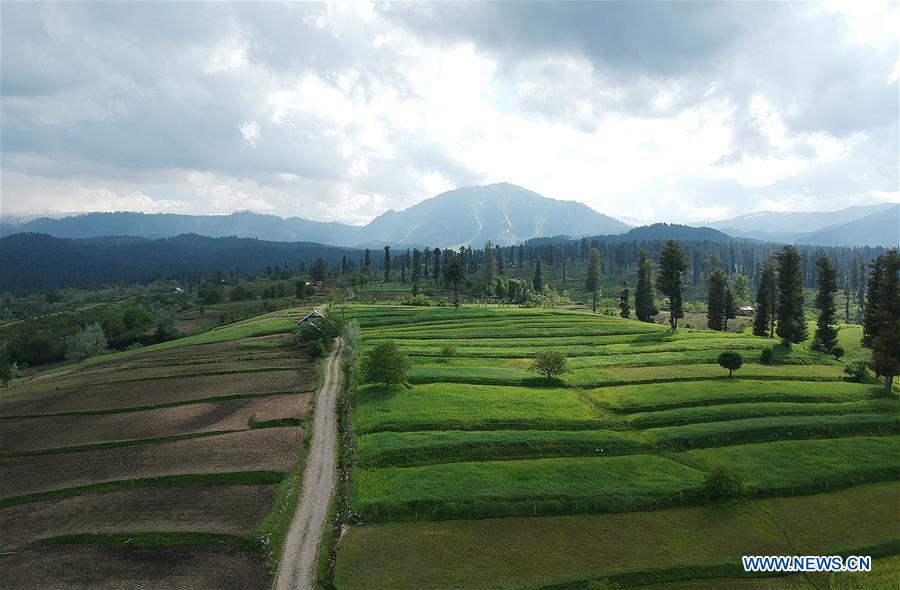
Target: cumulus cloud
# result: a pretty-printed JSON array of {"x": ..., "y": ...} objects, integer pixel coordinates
[{"x": 662, "y": 111}]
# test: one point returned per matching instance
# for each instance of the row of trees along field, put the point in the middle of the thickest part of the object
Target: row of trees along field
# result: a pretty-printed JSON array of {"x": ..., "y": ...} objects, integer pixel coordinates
[
  {"x": 780, "y": 299},
  {"x": 568, "y": 258}
]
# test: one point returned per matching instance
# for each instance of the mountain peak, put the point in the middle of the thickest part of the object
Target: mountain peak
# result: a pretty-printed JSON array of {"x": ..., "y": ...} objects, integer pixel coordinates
[{"x": 502, "y": 213}]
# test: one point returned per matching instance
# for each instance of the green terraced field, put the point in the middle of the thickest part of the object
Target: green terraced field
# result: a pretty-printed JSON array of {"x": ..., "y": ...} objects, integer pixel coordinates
[
  {"x": 638, "y": 423},
  {"x": 630, "y": 549},
  {"x": 418, "y": 448},
  {"x": 471, "y": 407},
  {"x": 523, "y": 487},
  {"x": 808, "y": 464}
]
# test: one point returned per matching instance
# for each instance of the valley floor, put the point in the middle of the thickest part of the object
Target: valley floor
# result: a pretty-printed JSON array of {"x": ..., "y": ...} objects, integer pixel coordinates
[{"x": 602, "y": 477}]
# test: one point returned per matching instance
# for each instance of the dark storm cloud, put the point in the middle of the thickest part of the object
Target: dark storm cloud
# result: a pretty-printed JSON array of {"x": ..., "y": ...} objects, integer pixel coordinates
[{"x": 115, "y": 89}]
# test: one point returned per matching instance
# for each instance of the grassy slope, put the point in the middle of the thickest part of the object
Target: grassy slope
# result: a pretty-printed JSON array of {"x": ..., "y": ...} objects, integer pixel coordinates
[
  {"x": 531, "y": 552},
  {"x": 526, "y": 487},
  {"x": 430, "y": 451}
]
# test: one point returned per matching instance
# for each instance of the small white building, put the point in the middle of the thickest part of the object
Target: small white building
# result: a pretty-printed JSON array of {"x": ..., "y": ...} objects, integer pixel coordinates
[{"x": 746, "y": 310}]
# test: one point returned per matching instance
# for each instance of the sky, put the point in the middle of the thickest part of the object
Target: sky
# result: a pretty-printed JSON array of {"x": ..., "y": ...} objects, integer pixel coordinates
[{"x": 339, "y": 112}]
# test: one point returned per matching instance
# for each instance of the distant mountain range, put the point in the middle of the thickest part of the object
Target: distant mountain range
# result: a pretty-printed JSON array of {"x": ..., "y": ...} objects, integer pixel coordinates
[
  {"x": 861, "y": 225},
  {"x": 501, "y": 213}
]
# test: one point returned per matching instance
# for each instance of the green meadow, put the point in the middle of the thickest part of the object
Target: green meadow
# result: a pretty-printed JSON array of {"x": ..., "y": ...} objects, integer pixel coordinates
[{"x": 578, "y": 481}]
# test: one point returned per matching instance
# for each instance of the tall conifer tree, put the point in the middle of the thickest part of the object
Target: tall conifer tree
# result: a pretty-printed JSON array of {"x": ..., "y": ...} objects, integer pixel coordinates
[
  {"x": 592, "y": 279},
  {"x": 826, "y": 334},
  {"x": 791, "y": 319},
  {"x": 672, "y": 264}
]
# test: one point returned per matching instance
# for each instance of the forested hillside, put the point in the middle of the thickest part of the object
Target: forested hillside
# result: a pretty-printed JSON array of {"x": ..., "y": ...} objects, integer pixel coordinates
[{"x": 38, "y": 262}]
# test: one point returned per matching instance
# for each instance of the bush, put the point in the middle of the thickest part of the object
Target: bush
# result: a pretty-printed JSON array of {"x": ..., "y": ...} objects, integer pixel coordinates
[
  {"x": 242, "y": 292},
  {"x": 856, "y": 371},
  {"x": 316, "y": 349},
  {"x": 731, "y": 360},
  {"x": 765, "y": 357},
  {"x": 210, "y": 294},
  {"x": 723, "y": 482},
  {"x": 419, "y": 300},
  {"x": 448, "y": 350},
  {"x": 837, "y": 351},
  {"x": 91, "y": 341}
]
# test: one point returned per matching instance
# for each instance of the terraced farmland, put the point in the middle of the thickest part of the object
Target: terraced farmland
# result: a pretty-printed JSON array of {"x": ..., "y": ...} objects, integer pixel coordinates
[
  {"x": 601, "y": 476},
  {"x": 172, "y": 466}
]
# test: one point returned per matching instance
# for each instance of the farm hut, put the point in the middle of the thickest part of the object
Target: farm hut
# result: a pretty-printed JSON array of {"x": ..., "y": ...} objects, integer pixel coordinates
[
  {"x": 746, "y": 310},
  {"x": 313, "y": 317}
]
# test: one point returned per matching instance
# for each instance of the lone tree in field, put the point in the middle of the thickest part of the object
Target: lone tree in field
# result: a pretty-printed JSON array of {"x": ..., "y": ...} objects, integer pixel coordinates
[
  {"x": 592, "y": 280},
  {"x": 766, "y": 301},
  {"x": 715, "y": 299},
  {"x": 644, "y": 308},
  {"x": 387, "y": 263},
  {"x": 826, "y": 334},
  {"x": 881, "y": 325},
  {"x": 453, "y": 273},
  {"x": 672, "y": 264},
  {"x": 537, "y": 281},
  {"x": 549, "y": 363},
  {"x": 731, "y": 360},
  {"x": 791, "y": 321},
  {"x": 385, "y": 363},
  {"x": 624, "y": 309}
]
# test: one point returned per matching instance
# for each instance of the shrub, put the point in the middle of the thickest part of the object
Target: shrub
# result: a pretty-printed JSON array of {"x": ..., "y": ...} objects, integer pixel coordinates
[
  {"x": 8, "y": 372},
  {"x": 448, "y": 350},
  {"x": 731, "y": 360},
  {"x": 765, "y": 357},
  {"x": 419, "y": 300},
  {"x": 549, "y": 363},
  {"x": 856, "y": 371},
  {"x": 242, "y": 292},
  {"x": 723, "y": 482},
  {"x": 837, "y": 351},
  {"x": 317, "y": 349},
  {"x": 90, "y": 341}
]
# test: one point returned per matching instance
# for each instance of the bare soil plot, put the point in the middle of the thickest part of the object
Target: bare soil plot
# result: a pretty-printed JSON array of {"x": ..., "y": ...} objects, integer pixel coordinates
[
  {"x": 215, "y": 348},
  {"x": 44, "y": 399},
  {"x": 127, "y": 372},
  {"x": 94, "y": 566},
  {"x": 267, "y": 449},
  {"x": 230, "y": 510},
  {"x": 54, "y": 432}
]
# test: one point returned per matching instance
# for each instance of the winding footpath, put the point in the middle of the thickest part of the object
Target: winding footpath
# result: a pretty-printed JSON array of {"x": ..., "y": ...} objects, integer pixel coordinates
[{"x": 297, "y": 568}]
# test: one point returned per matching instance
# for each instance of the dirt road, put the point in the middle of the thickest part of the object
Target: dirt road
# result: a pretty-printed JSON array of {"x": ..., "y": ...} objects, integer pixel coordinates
[{"x": 297, "y": 570}]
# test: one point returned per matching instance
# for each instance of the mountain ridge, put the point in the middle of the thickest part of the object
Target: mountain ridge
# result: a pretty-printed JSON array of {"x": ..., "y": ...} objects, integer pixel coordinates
[{"x": 501, "y": 213}]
